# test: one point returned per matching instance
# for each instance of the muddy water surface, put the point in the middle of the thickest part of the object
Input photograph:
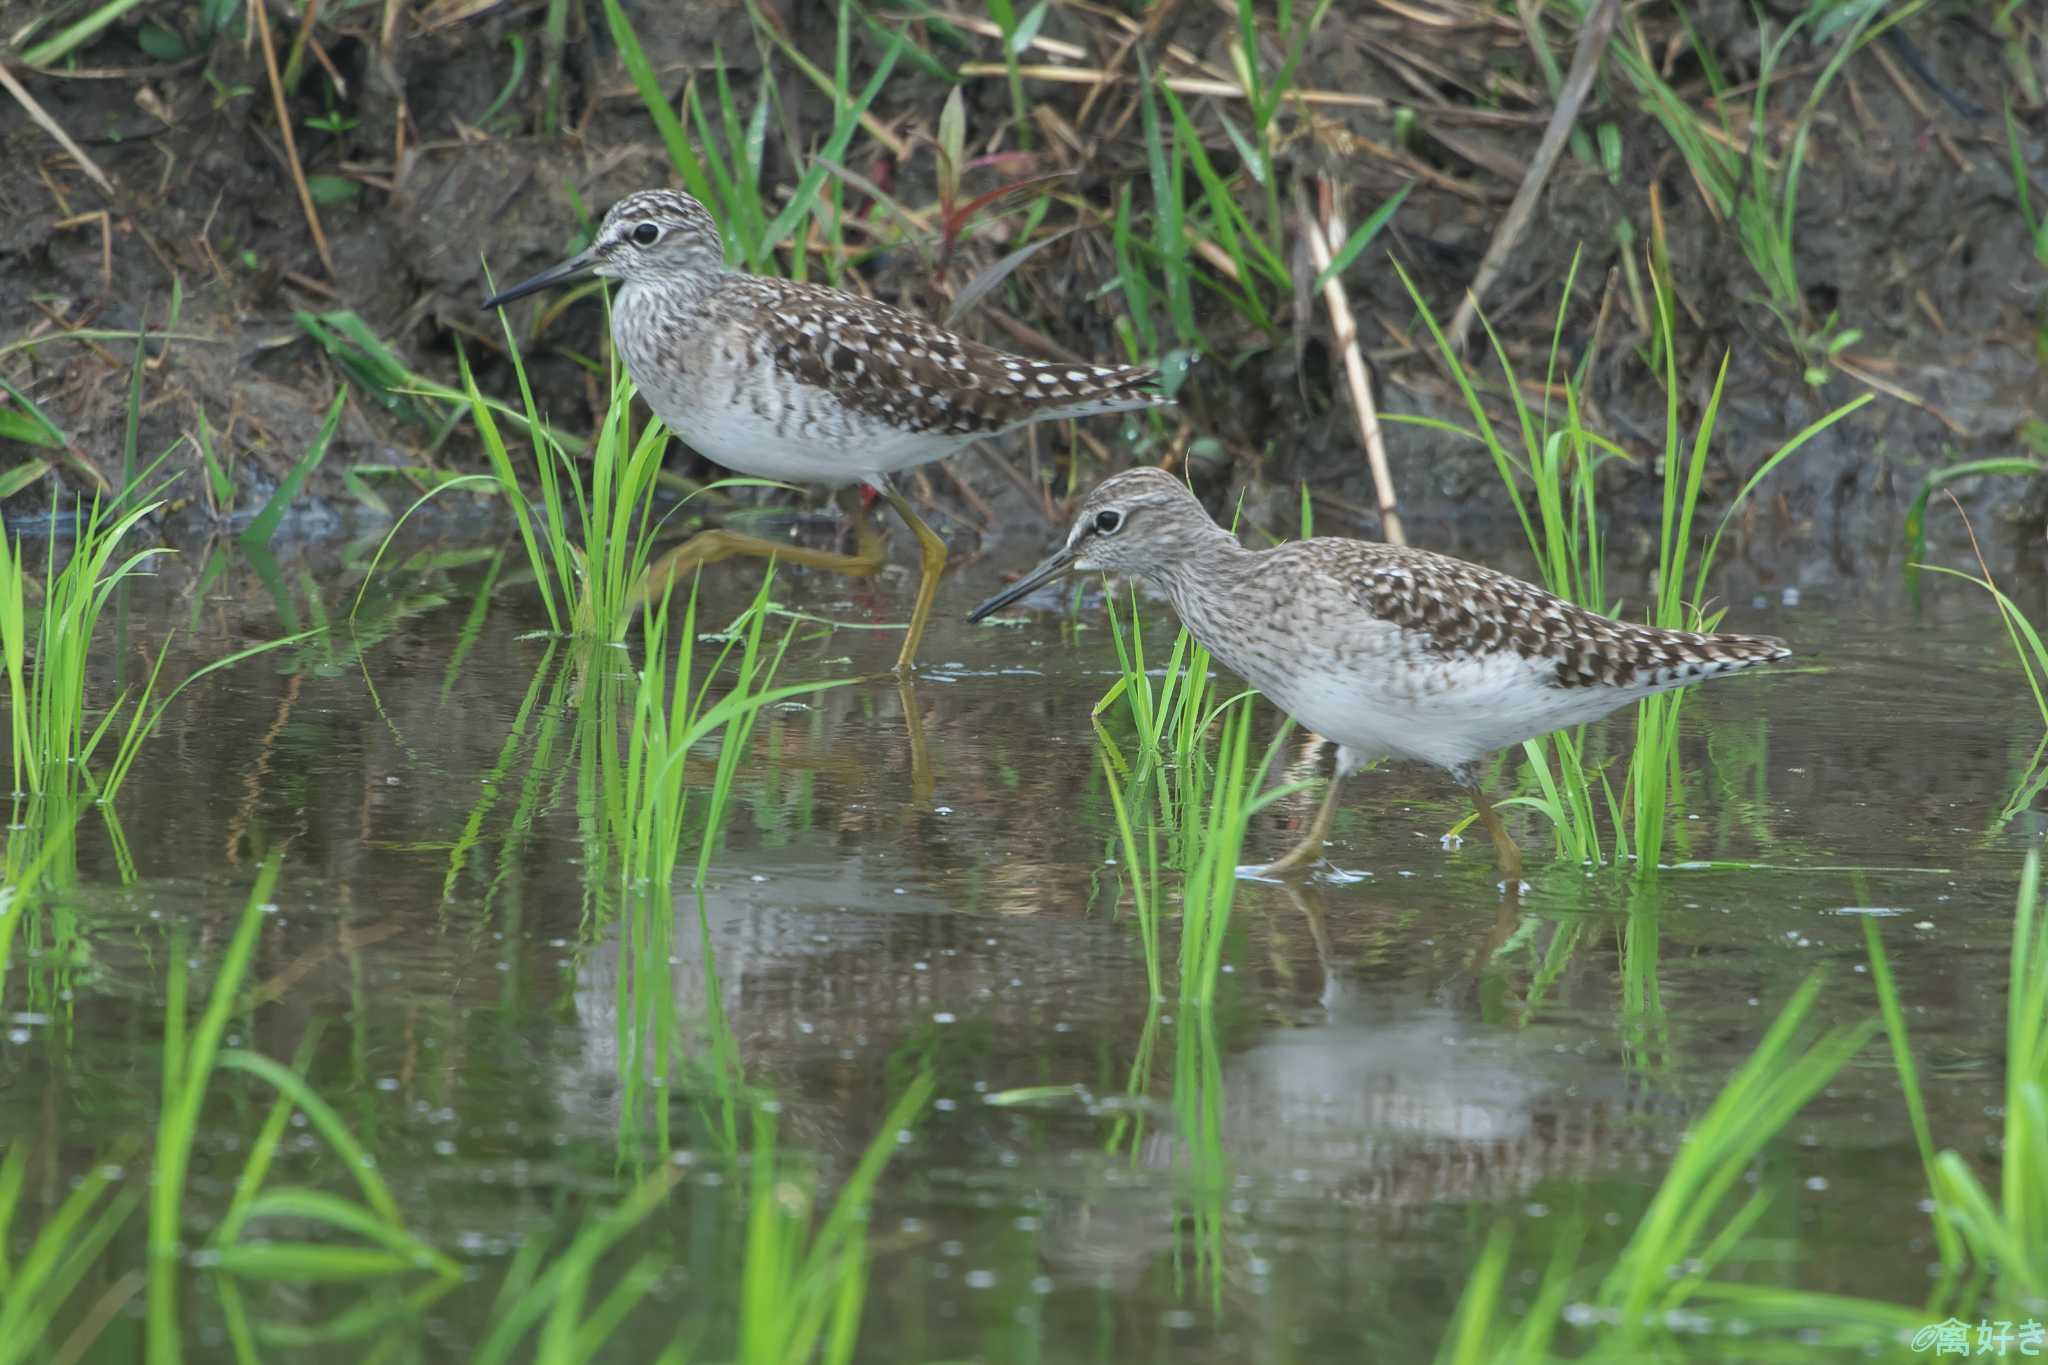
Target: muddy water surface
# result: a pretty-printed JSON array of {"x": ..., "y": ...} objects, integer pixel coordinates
[{"x": 926, "y": 877}]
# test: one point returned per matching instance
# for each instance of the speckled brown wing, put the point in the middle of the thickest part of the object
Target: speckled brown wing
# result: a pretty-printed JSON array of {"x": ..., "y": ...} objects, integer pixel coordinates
[
  {"x": 919, "y": 377},
  {"x": 1462, "y": 609}
]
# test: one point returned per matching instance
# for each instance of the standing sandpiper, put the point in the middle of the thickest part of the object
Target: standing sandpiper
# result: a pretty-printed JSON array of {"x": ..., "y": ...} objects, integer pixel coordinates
[
  {"x": 794, "y": 381},
  {"x": 1391, "y": 652}
]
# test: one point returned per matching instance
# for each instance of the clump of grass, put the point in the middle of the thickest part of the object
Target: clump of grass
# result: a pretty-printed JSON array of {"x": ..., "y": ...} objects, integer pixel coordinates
[
  {"x": 1761, "y": 198},
  {"x": 370, "y": 1241},
  {"x": 36, "y": 1289},
  {"x": 1229, "y": 240},
  {"x": 1204, "y": 803},
  {"x": 1696, "y": 1227},
  {"x": 802, "y": 1283},
  {"x": 1558, "y": 460},
  {"x": 2032, "y": 654},
  {"x": 589, "y": 551},
  {"x": 722, "y": 166},
  {"x": 2006, "y": 1236}
]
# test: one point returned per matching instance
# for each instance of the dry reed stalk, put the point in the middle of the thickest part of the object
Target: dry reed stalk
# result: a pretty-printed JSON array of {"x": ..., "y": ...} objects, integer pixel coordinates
[
  {"x": 1324, "y": 238},
  {"x": 41, "y": 118},
  {"x": 291, "y": 146}
]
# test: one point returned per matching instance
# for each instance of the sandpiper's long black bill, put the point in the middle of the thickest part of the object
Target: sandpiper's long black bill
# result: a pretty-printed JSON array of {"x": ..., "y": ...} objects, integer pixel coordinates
[
  {"x": 575, "y": 268},
  {"x": 1061, "y": 561}
]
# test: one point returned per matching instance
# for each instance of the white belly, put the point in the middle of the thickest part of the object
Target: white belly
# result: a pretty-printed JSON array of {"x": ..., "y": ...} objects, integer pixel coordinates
[
  {"x": 1462, "y": 712},
  {"x": 800, "y": 446}
]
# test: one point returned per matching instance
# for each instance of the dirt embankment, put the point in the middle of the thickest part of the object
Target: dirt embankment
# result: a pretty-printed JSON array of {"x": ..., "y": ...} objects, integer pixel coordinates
[{"x": 1907, "y": 231}]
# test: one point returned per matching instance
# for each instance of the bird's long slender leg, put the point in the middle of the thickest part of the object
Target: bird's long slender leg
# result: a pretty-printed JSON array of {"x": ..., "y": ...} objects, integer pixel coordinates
[
  {"x": 708, "y": 547},
  {"x": 1504, "y": 848},
  {"x": 932, "y": 559},
  {"x": 1311, "y": 846}
]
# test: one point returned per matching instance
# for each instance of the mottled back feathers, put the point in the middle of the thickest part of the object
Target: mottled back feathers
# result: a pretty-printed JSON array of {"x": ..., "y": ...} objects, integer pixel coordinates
[
  {"x": 1463, "y": 609},
  {"x": 912, "y": 374}
]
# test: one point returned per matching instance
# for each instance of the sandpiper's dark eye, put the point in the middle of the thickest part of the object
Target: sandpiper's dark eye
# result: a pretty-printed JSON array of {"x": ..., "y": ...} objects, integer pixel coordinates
[
  {"x": 1106, "y": 523},
  {"x": 647, "y": 234}
]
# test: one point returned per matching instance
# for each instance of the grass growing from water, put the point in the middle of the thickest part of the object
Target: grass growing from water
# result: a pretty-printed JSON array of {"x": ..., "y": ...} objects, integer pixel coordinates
[
  {"x": 1203, "y": 804},
  {"x": 2032, "y": 654},
  {"x": 366, "y": 1242},
  {"x": 35, "y": 1290},
  {"x": 1669, "y": 1283},
  {"x": 2004, "y": 1236},
  {"x": 46, "y": 653},
  {"x": 1558, "y": 459}
]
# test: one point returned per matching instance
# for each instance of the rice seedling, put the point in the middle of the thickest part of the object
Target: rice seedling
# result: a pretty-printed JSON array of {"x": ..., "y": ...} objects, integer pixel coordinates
[
  {"x": 378, "y": 1246},
  {"x": 46, "y": 654},
  {"x": 553, "y": 1298},
  {"x": 635, "y": 735},
  {"x": 1219, "y": 818},
  {"x": 645, "y": 795},
  {"x": 1204, "y": 803},
  {"x": 1670, "y": 1283},
  {"x": 2037, "y": 228},
  {"x": 36, "y": 1289},
  {"x": 589, "y": 551},
  {"x": 1175, "y": 715},
  {"x": 1202, "y": 1161},
  {"x": 1761, "y": 197},
  {"x": 1558, "y": 461},
  {"x": 2032, "y": 654},
  {"x": 722, "y": 167},
  {"x": 2004, "y": 1236},
  {"x": 803, "y": 1288}
]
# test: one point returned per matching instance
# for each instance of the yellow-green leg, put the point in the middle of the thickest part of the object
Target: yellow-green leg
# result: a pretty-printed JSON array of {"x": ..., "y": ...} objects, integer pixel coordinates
[
  {"x": 1503, "y": 847},
  {"x": 932, "y": 561},
  {"x": 1311, "y": 846},
  {"x": 708, "y": 547},
  {"x": 921, "y": 786}
]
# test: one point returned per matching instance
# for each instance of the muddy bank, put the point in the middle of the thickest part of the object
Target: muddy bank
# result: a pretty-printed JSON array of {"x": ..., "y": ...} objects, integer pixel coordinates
[{"x": 1907, "y": 228}]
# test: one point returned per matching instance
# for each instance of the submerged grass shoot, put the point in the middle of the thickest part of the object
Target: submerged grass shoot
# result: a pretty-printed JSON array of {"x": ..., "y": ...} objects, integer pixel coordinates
[
  {"x": 1670, "y": 1281},
  {"x": 2003, "y": 1235}
]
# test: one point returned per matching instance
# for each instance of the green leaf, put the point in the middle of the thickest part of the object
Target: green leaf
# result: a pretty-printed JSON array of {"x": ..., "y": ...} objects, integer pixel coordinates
[
  {"x": 21, "y": 476},
  {"x": 952, "y": 146},
  {"x": 310, "y": 1262},
  {"x": 1027, "y": 28},
  {"x": 265, "y": 525},
  {"x": 1360, "y": 238},
  {"x": 333, "y": 189},
  {"x": 160, "y": 43}
]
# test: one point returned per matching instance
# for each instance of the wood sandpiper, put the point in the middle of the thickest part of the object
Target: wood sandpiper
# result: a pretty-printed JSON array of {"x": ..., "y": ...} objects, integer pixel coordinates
[
  {"x": 1391, "y": 652},
  {"x": 784, "y": 380}
]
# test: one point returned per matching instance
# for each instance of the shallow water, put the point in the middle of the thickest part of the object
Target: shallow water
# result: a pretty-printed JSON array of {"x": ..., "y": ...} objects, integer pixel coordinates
[{"x": 926, "y": 877}]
